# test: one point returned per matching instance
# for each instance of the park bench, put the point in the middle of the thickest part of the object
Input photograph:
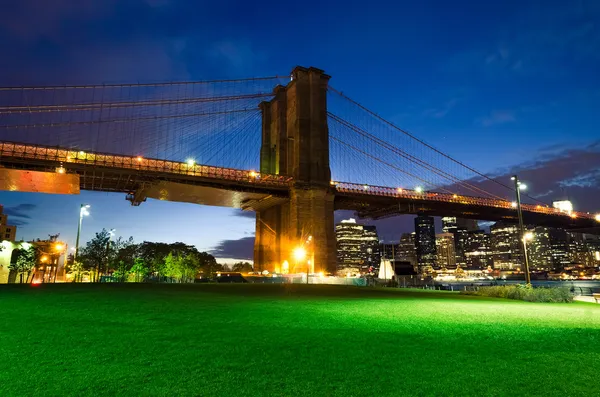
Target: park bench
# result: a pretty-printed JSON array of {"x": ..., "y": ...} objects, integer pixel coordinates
[{"x": 596, "y": 297}]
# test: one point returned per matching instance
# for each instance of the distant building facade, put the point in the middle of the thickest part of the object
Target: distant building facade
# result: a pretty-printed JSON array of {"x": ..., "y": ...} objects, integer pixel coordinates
[
  {"x": 446, "y": 256},
  {"x": 506, "y": 246},
  {"x": 407, "y": 250},
  {"x": 478, "y": 250},
  {"x": 425, "y": 242},
  {"x": 7, "y": 232},
  {"x": 357, "y": 245}
]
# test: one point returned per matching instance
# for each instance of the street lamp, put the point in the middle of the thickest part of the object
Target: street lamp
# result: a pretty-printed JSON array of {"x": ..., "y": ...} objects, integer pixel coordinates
[
  {"x": 518, "y": 187},
  {"x": 83, "y": 211},
  {"x": 299, "y": 254}
]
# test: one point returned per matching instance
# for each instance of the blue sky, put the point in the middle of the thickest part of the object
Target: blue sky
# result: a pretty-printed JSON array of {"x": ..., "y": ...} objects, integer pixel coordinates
[{"x": 502, "y": 86}]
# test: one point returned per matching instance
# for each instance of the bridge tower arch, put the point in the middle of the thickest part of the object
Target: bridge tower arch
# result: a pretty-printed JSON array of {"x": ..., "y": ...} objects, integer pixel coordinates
[{"x": 295, "y": 142}]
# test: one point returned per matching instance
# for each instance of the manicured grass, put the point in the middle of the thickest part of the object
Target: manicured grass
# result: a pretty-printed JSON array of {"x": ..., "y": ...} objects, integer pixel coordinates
[{"x": 274, "y": 340}]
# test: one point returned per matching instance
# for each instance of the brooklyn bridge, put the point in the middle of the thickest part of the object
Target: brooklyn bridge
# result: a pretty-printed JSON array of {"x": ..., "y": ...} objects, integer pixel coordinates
[{"x": 293, "y": 149}]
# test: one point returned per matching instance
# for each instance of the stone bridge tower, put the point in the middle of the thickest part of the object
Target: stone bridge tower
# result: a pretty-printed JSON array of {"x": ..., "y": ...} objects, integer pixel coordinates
[{"x": 295, "y": 142}]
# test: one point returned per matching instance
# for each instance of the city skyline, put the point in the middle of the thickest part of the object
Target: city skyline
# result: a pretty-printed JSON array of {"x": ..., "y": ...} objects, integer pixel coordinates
[{"x": 509, "y": 90}]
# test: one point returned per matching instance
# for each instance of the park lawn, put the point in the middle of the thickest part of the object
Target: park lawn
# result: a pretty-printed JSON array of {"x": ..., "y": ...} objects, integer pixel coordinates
[{"x": 289, "y": 340}]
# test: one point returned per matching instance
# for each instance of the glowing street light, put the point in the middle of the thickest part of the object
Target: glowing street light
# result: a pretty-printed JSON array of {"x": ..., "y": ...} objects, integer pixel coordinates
[
  {"x": 518, "y": 187},
  {"x": 299, "y": 253},
  {"x": 83, "y": 211}
]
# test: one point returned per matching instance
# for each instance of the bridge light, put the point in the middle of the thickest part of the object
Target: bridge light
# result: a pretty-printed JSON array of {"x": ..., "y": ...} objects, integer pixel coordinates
[
  {"x": 61, "y": 170},
  {"x": 454, "y": 196},
  {"x": 299, "y": 253},
  {"x": 82, "y": 153},
  {"x": 419, "y": 189},
  {"x": 573, "y": 215},
  {"x": 190, "y": 162},
  {"x": 366, "y": 187},
  {"x": 513, "y": 204},
  {"x": 332, "y": 183},
  {"x": 399, "y": 190},
  {"x": 252, "y": 174},
  {"x": 139, "y": 159},
  {"x": 597, "y": 217}
]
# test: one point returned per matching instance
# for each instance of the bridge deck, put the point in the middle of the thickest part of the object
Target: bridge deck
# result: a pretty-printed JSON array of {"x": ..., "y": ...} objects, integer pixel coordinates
[{"x": 111, "y": 172}]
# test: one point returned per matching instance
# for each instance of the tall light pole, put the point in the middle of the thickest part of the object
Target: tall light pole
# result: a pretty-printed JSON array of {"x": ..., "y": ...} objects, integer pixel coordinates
[
  {"x": 518, "y": 187},
  {"x": 83, "y": 211}
]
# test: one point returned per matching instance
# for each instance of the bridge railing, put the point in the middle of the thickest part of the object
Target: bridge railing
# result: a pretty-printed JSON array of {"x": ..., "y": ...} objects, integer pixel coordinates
[
  {"x": 346, "y": 187},
  {"x": 63, "y": 157}
]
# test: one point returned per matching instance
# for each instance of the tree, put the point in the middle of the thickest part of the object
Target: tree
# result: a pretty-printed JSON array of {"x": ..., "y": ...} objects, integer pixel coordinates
[
  {"x": 139, "y": 270},
  {"x": 242, "y": 267},
  {"x": 172, "y": 266},
  {"x": 95, "y": 253},
  {"x": 26, "y": 259},
  {"x": 122, "y": 257}
]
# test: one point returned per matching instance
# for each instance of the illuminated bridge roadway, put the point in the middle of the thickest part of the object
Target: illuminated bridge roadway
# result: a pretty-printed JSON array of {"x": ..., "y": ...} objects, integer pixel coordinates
[{"x": 55, "y": 170}]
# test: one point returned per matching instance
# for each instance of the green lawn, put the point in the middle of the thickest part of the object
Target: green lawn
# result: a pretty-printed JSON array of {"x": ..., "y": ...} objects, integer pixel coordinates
[{"x": 274, "y": 340}]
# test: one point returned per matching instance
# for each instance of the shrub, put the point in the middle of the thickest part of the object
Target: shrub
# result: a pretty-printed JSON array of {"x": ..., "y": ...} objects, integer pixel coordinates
[{"x": 525, "y": 293}]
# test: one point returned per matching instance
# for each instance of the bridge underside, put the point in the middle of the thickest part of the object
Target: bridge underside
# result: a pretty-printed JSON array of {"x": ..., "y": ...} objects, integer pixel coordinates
[
  {"x": 376, "y": 207},
  {"x": 138, "y": 185}
]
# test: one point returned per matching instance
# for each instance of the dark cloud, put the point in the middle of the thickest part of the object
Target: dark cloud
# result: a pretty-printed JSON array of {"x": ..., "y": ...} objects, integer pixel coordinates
[
  {"x": 20, "y": 211},
  {"x": 573, "y": 173},
  {"x": 17, "y": 222},
  {"x": 18, "y": 215},
  {"x": 237, "y": 249}
]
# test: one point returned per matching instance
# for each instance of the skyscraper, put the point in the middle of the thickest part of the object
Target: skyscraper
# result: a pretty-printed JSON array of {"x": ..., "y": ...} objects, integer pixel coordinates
[
  {"x": 357, "y": 245},
  {"x": 446, "y": 257},
  {"x": 506, "y": 246},
  {"x": 539, "y": 249},
  {"x": 407, "y": 250},
  {"x": 459, "y": 227},
  {"x": 559, "y": 248},
  {"x": 425, "y": 241},
  {"x": 478, "y": 250}
]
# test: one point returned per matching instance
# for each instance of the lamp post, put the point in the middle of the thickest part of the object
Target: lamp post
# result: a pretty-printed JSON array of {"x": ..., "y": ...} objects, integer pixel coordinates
[
  {"x": 518, "y": 187},
  {"x": 83, "y": 211}
]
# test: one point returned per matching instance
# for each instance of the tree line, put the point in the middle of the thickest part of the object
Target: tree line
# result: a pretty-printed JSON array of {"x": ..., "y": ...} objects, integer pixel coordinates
[{"x": 124, "y": 260}]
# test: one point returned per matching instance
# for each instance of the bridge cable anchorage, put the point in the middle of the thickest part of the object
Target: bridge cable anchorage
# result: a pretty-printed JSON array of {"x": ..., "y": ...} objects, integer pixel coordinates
[
  {"x": 390, "y": 147},
  {"x": 424, "y": 144}
]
